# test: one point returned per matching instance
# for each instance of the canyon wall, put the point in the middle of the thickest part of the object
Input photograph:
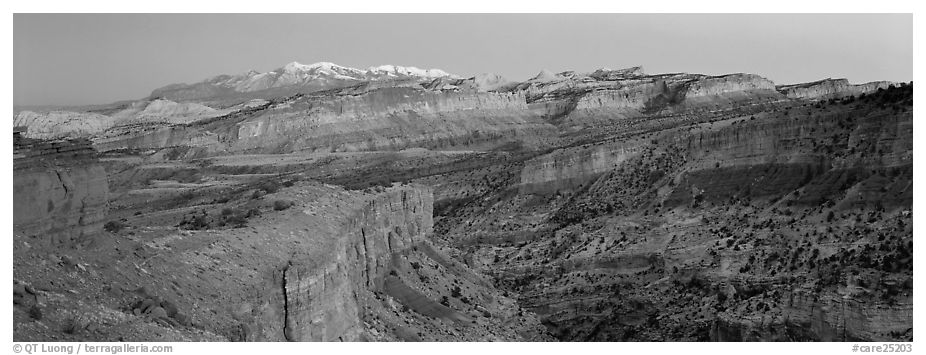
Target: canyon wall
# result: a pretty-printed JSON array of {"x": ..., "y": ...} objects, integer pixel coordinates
[
  {"x": 308, "y": 273},
  {"x": 392, "y": 118},
  {"x": 830, "y": 88},
  {"x": 726, "y": 84},
  {"x": 59, "y": 190},
  {"x": 776, "y": 156},
  {"x": 322, "y": 302},
  {"x": 807, "y": 315},
  {"x": 567, "y": 168},
  {"x": 620, "y": 97}
]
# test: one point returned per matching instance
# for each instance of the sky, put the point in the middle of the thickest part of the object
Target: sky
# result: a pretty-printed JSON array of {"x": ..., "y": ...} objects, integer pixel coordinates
[{"x": 79, "y": 59}]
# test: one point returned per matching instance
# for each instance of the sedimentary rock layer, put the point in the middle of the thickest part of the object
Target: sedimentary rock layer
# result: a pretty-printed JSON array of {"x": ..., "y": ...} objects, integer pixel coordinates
[
  {"x": 59, "y": 190},
  {"x": 392, "y": 118},
  {"x": 830, "y": 88}
]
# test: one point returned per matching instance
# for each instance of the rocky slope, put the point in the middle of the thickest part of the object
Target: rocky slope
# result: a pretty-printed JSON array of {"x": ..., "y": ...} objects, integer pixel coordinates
[{"x": 715, "y": 230}]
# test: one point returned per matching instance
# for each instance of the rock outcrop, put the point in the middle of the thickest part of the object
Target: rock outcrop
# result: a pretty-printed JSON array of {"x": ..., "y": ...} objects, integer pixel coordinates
[
  {"x": 807, "y": 315},
  {"x": 830, "y": 88},
  {"x": 619, "y": 94},
  {"x": 175, "y": 113},
  {"x": 309, "y": 274},
  {"x": 567, "y": 168},
  {"x": 62, "y": 124},
  {"x": 321, "y": 299},
  {"x": 387, "y": 119},
  {"x": 59, "y": 190},
  {"x": 95, "y": 125}
]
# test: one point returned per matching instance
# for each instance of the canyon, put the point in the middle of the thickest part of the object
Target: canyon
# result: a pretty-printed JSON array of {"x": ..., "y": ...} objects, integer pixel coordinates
[{"x": 326, "y": 203}]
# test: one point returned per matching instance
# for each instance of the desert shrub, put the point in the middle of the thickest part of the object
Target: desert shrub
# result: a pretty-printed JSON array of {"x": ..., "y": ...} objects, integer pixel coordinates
[
  {"x": 73, "y": 325},
  {"x": 280, "y": 205},
  {"x": 270, "y": 186},
  {"x": 114, "y": 226},
  {"x": 236, "y": 220},
  {"x": 197, "y": 222},
  {"x": 35, "y": 312}
]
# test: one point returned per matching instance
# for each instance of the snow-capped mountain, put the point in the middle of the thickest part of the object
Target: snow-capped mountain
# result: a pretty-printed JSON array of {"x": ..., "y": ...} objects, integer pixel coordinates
[
  {"x": 319, "y": 75},
  {"x": 399, "y": 71}
]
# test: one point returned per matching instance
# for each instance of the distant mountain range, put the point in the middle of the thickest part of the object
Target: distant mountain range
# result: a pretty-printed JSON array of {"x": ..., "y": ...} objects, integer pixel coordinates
[{"x": 319, "y": 75}]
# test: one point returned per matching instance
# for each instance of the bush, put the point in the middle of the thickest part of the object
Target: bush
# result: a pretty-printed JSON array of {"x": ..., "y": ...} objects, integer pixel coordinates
[
  {"x": 73, "y": 325},
  {"x": 270, "y": 187},
  {"x": 280, "y": 205},
  {"x": 35, "y": 312},
  {"x": 114, "y": 226},
  {"x": 197, "y": 222}
]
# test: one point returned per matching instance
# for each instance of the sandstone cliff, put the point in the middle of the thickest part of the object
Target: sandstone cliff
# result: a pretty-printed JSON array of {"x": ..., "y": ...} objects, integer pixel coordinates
[
  {"x": 830, "y": 88},
  {"x": 824, "y": 317},
  {"x": 566, "y": 168},
  {"x": 387, "y": 119},
  {"x": 322, "y": 300},
  {"x": 59, "y": 190},
  {"x": 62, "y": 124}
]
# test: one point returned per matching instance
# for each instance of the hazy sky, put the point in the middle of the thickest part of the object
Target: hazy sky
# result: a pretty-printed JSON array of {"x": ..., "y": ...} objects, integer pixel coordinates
[{"x": 72, "y": 59}]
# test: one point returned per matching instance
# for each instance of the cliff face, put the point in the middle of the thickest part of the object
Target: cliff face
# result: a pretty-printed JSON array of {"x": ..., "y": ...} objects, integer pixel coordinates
[
  {"x": 569, "y": 167},
  {"x": 727, "y": 84},
  {"x": 768, "y": 158},
  {"x": 322, "y": 300},
  {"x": 807, "y": 315},
  {"x": 392, "y": 118},
  {"x": 308, "y": 274},
  {"x": 830, "y": 88},
  {"x": 62, "y": 124},
  {"x": 99, "y": 123},
  {"x": 176, "y": 113},
  {"x": 609, "y": 95},
  {"x": 59, "y": 190}
]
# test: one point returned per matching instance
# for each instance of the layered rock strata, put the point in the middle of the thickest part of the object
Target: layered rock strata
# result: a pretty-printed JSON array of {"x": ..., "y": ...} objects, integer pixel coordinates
[
  {"x": 830, "y": 88},
  {"x": 59, "y": 190}
]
